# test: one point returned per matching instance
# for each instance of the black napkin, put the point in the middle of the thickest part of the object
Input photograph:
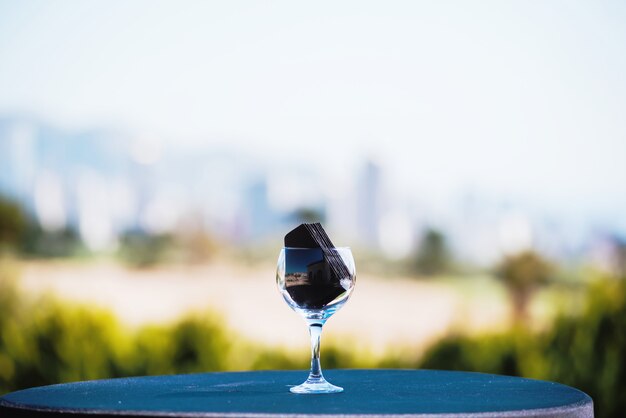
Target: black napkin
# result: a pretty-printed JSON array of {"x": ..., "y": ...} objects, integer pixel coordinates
[{"x": 313, "y": 236}]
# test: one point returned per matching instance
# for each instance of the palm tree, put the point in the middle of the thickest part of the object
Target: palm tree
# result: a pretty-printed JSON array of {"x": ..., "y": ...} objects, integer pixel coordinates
[{"x": 522, "y": 274}]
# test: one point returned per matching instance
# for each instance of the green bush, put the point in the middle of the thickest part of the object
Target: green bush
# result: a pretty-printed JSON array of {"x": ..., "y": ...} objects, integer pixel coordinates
[
  {"x": 140, "y": 250},
  {"x": 588, "y": 351},
  {"x": 585, "y": 351},
  {"x": 44, "y": 341}
]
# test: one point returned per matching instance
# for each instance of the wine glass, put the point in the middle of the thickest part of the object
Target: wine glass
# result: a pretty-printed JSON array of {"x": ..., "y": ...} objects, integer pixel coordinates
[{"x": 315, "y": 283}]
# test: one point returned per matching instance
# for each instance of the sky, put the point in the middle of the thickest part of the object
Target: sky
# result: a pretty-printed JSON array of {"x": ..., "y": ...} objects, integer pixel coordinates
[{"x": 523, "y": 99}]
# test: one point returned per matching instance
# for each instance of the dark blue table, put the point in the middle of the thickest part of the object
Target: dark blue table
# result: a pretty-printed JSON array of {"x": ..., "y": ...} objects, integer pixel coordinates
[{"x": 415, "y": 393}]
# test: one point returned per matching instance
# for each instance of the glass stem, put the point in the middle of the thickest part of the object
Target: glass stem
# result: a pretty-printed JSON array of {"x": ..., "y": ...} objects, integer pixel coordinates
[{"x": 315, "y": 330}]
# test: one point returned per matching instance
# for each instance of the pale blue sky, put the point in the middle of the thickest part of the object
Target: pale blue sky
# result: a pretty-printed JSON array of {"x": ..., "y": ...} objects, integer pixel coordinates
[{"x": 523, "y": 98}]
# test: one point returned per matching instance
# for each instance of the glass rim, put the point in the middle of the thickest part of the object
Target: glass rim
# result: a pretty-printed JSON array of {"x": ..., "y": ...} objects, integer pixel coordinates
[{"x": 314, "y": 248}]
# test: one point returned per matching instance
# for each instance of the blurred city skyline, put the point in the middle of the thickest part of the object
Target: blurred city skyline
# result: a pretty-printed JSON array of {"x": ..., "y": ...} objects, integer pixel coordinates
[
  {"x": 105, "y": 183},
  {"x": 499, "y": 123}
]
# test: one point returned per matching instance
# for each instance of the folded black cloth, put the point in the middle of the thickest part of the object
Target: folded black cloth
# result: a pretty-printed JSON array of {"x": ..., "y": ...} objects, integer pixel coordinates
[{"x": 313, "y": 235}]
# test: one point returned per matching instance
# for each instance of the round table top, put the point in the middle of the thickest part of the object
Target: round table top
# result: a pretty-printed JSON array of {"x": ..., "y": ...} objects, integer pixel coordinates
[{"x": 414, "y": 393}]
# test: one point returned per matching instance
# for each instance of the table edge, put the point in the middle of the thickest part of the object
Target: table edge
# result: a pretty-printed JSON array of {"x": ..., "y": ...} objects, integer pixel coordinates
[{"x": 582, "y": 409}]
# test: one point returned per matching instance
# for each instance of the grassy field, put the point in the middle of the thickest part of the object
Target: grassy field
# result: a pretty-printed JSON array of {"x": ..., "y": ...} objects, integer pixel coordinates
[{"x": 381, "y": 312}]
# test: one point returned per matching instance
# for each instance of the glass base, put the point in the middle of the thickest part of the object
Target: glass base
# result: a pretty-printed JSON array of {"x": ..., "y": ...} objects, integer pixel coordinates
[{"x": 315, "y": 386}]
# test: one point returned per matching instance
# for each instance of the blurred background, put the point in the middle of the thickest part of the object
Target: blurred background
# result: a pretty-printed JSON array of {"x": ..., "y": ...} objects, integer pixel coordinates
[{"x": 153, "y": 155}]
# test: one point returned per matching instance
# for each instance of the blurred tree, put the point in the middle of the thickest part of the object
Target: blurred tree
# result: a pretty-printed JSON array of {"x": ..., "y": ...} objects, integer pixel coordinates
[
  {"x": 308, "y": 215},
  {"x": 585, "y": 351},
  {"x": 141, "y": 250},
  {"x": 433, "y": 256},
  {"x": 21, "y": 232},
  {"x": 36, "y": 242},
  {"x": 522, "y": 274},
  {"x": 12, "y": 222}
]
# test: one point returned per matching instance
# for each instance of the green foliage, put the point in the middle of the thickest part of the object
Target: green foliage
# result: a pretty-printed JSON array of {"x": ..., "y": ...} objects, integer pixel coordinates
[
  {"x": 20, "y": 232},
  {"x": 457, "y": 353},
  {"x": 588, "y": 351},
  {"x": 523, "y": 271},
  {"x": 38, "y": 243},
  {"x": 142, "y": 250},
  {"x": 308, "y": 215},
  {"x": 12, "y": 222},
  {"x": 43, "y": 341},
  {"x": 433, "y": 256},
  {"x": 584, "y": 351}
]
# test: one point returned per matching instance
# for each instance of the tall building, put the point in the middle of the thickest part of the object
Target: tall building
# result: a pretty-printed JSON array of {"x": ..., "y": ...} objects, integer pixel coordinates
[
  {"x": 18, "y": 159},
  {"x": 368, "y": 210}
]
